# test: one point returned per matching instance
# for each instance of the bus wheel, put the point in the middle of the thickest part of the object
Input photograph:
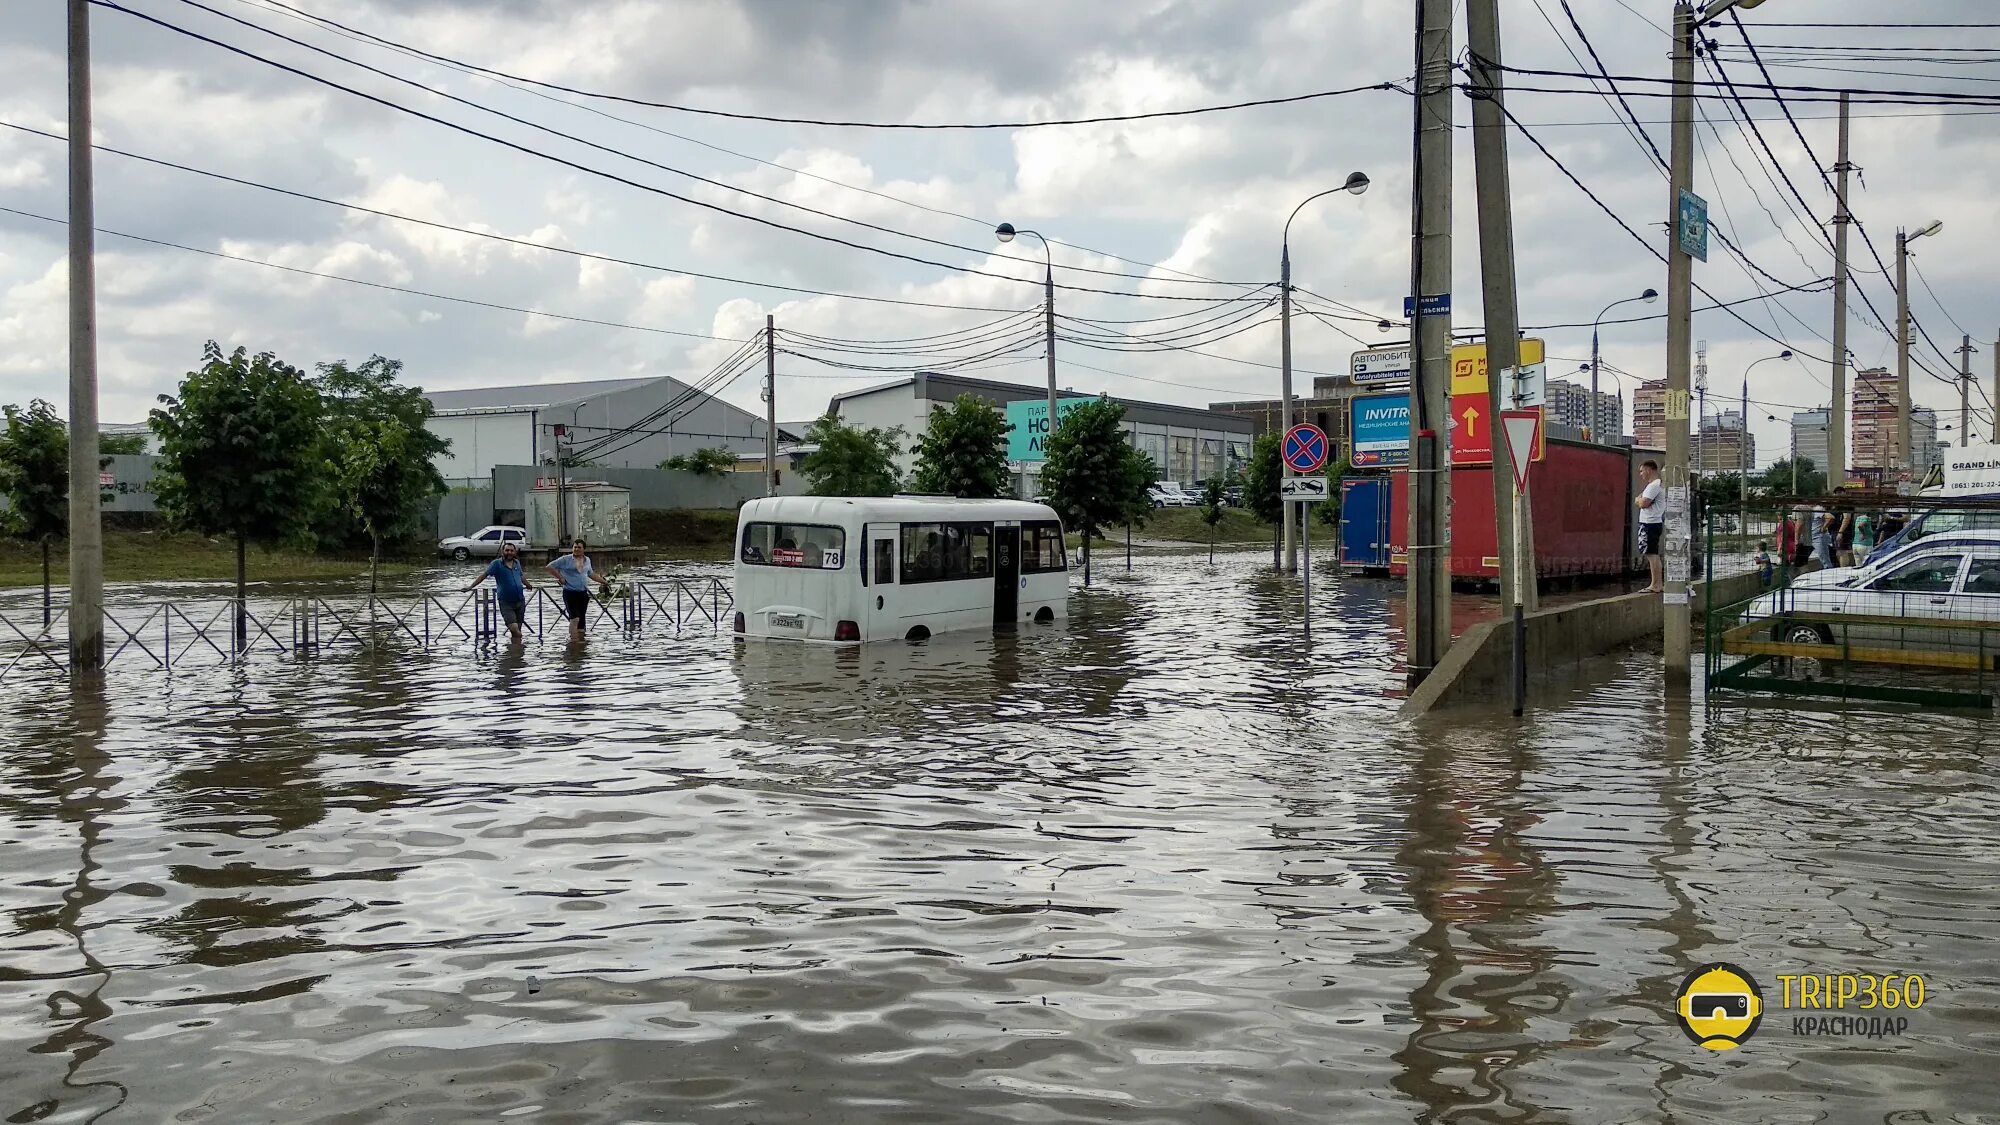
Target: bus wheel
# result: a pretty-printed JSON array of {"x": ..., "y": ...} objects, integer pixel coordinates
[
  {"x": 1044, "y": 615},
  {"x": 917, "y": 633}
]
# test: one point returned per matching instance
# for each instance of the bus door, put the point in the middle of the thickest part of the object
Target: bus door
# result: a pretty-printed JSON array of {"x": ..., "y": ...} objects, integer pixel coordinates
[
  {"x": 1006, "y": 573},
  {"x": 882, "y": 608}
]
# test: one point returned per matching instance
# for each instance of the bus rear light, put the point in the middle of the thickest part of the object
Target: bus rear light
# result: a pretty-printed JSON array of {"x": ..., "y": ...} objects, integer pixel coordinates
[
  {"x": 847, "y": 631},
  {"x": 739, "y": 621}
]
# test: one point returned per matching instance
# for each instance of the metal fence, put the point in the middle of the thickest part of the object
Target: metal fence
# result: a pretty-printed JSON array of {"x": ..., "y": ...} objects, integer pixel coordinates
[{"x": 211, "y": 632}]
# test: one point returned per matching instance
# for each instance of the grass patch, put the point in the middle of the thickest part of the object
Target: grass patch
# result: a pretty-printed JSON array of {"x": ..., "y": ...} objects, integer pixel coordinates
[
  {"x": 1184, "y": 525},
  {"x": 159, "y": 556},
  {"x": 684, "y": 533}
]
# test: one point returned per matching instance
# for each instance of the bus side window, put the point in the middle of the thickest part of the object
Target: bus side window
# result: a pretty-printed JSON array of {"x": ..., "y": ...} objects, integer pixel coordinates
[{"x": 885, "y": 563}]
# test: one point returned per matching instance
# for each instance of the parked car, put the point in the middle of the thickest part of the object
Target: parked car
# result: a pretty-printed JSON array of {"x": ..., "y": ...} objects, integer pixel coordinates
[
  {"x": 482, "y": 544},
  {"x": 1168, "y": 494},
  {"x": 1937, "y": 521},
  {"x": 1943, "y": 578}
]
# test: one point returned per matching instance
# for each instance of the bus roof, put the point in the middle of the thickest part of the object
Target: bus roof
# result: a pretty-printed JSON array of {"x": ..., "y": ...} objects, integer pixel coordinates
[{"x": 910, "y": 509}]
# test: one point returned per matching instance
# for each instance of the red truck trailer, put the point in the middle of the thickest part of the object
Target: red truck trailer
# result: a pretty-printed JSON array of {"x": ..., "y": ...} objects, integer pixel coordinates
[{"x": 1582, "y": 497}]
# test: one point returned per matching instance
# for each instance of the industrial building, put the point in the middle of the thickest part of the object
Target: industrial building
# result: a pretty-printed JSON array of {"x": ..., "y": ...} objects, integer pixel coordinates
[
  {"x": 612, "y": 423},
  {"x": 1186, "y": 443}
]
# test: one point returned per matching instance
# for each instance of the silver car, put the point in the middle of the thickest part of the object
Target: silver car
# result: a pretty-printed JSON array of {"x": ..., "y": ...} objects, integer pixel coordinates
[
  {"x": 1939, "y": 594},
  {"x": 482, "y": 544}
]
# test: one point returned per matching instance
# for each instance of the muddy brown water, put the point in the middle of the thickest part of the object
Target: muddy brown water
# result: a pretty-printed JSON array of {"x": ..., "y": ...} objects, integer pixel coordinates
[{"x": 1163, "y": 863}]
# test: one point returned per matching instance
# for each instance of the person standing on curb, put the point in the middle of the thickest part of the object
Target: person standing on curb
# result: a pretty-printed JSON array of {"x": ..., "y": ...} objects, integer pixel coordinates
[
  {"x": 510, "y": 587},
  {"x": 1652, "y": 505},
  {"x": 576, "y": 574}
]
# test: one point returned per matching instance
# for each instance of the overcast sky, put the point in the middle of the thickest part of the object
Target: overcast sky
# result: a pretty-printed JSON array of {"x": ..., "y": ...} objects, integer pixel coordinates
[{"x": 1190, "y": 197}]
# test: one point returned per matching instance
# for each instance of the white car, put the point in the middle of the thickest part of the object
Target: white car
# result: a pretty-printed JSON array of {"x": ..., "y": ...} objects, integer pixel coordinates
[
  {"x": 1950, "y": 577},
  {"x": 1167, "y": 494},
  {"x": 482, "y": 544}
]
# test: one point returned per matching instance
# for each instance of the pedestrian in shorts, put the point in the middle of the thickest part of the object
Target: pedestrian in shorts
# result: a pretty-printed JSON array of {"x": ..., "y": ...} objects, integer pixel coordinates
[
  {"x": 1652, "y": 505},
  {"x": 510, "y": 587}
]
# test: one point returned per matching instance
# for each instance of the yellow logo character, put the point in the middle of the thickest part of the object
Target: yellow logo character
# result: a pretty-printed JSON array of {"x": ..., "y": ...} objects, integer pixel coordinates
[{"x": 1719, "y": 1006}]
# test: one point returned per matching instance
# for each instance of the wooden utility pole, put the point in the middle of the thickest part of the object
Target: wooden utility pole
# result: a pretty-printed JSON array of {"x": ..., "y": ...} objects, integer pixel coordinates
[
  {"x": 1428, "y": 583},
  {"x": 1496, "y": 267},
  {"x": 86, "y": 534}
]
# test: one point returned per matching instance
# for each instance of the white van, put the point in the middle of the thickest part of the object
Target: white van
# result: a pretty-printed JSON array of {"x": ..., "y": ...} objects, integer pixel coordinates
[{"x": 841, "y": 569}]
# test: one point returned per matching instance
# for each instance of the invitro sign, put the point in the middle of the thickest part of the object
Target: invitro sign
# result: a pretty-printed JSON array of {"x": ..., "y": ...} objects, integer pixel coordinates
[
  {"x": 1380, "y": 430},
  {"x": 1029, "y": 438}
]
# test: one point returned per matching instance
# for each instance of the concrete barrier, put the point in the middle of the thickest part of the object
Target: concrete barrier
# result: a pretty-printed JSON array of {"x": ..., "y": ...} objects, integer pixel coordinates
[{"x": 1479, "y": 667}]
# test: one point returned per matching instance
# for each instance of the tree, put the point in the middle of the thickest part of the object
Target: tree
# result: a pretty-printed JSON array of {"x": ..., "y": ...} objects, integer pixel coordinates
[
  {"x": 379, "y": 455},
  {"x": 1211, "y": 512},
  {"x": 963, "y": 451},
  {"x": 1777, "y": 480},
  {"x": 712, "y": 462},
  {"x": 1093, "y": 477},
  {"x": 241, "y": 453},
  {"x": 127, "y": 444},
  {"x": 1260, "y": 486},
  {"x": 851, "y": 460},
  {"x": 1329, "y": 509},
  {"x": 34, "y": 477}
]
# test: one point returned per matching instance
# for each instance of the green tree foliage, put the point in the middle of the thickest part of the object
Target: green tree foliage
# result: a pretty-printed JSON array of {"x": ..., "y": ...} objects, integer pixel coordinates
[
  {"x": 1093, "y": 477},
  {"x": 112, "y": 445},
  {"x": 963, "y": 452},
  {"x": 1777, "y": 480},
  {"x": 851, "y": 460},
  {"x": 379, "y": 457},
  {"x": 1260, "y": 479},
  {"x": 1211, "y": 511},
  {"x": 1329, "y": 509},
  {"x": 241, "y": 453},
  {"x": 712, "y": 462},
  {"x": 34, "y": 477}
]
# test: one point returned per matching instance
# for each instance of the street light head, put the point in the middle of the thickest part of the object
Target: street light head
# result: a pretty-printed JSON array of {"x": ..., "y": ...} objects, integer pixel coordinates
[
  {"x": 1357, "y": 182},
  {"x": 1931, "y": 227},
  {"x": 1650, "y": 295},
  {"x": 1383, "y": 326},
  {"x": 1004, "y": 232},
  {"x": 1786, "y": 354}
]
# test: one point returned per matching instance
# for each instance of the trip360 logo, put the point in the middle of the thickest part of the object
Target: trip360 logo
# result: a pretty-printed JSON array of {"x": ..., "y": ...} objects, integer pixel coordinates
[{"x": 1719, "y": 1006}]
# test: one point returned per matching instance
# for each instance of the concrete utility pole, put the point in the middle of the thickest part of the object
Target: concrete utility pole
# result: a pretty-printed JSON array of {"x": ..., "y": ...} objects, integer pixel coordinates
[
  {"x": 1996, "y": 389},
  {"x": 1680, "y": 331},
  {"x": 1496, "y": 267},
  {"x": 86, "y": 534},
  {"x": 770, "y": 404},
  {"x": 1836, "y": 415},
  {"x": 1965, "y": 350},
  {"x": 1428, "y": 588}
]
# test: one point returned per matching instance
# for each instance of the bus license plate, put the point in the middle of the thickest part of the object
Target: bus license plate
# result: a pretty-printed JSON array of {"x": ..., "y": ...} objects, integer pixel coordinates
[{"x": 788, "y": 621}]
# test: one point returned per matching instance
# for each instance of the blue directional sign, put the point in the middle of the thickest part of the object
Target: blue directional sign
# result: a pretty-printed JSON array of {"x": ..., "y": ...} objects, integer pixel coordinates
[
  {"x": 1305, "y": 448},
  {"x": 1693, "y": 227},
  {"x": 1433, "y": 304}
]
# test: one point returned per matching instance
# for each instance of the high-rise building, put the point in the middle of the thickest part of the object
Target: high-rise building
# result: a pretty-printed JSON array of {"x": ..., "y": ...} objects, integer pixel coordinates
[
  {"x": 1809, "y": 437},
  {"x": 1726, "y": 446},
  {"x": 1572, "y": 405},
  {"x": 1874, "y": 420},
  {"x": 1649, "y": 415},
  {"x": 1924, "y": 439}
]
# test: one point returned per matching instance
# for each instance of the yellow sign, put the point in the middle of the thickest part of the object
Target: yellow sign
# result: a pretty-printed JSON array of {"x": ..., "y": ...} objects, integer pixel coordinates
[{"x": 1468, "y": 365}]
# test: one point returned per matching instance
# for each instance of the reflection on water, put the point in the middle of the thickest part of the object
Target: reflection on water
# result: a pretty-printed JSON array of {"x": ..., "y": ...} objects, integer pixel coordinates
[{"x": 1159, "y": 863}]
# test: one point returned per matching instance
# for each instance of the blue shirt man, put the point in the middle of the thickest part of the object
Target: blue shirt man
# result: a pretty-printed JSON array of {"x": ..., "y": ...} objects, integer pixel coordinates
[
  {"x": 510, "y": 587},
  {"x": 574, "y": 570}
]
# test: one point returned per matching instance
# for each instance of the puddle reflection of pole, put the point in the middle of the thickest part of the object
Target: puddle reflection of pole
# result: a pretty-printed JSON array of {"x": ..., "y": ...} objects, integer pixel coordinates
[
  {"x": 1686, "y": 930},
  {"x": 85, "y": 801}
]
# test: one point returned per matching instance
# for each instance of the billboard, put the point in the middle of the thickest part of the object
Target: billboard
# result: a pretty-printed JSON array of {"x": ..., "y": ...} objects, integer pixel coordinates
[
  {"x": 1029, "y": 418},
  {"x": 1379, "y": 430}
]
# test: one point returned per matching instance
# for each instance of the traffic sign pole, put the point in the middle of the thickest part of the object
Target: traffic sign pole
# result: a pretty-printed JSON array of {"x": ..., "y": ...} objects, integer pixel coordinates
[
  {"x": 1305, "y": 451},
  {"x": 1521, "y": 429}
]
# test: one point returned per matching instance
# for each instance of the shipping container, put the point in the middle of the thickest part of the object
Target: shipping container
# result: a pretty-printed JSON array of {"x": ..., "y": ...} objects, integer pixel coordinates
[{"x": 1581, "y": 494}]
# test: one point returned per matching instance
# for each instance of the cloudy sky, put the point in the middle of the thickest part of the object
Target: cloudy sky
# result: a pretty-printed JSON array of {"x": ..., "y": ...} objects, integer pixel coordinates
[{"x": 1166, "y": 208}]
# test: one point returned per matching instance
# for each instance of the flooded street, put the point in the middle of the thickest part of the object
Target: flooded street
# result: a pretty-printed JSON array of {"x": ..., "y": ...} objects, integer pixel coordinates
[{"x": 1160, "y": 863}]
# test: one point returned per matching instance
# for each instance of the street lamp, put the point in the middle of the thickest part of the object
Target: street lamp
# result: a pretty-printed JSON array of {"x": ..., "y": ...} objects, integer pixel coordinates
[
  {"x": 1743, "y": 442},
  {"x": 1005, "y": 232},
  {"x": 1649, "y": 296},
  {"x": 1356, "y": 183},
  {"x": 1903, "y": 241}
]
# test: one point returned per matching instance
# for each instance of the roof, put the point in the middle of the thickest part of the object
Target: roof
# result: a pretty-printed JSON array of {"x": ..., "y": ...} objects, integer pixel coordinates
[
  {"x": 941, "y": 387},
  {"x": 530, "y": 396},
  {"x": 914, "y": 509}
]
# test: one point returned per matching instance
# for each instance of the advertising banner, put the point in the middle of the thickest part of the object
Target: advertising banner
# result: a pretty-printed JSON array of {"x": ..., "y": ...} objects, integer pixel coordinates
[
  {"x": 1030, "y": 419},
  {"x": 1380, "y": 429}
]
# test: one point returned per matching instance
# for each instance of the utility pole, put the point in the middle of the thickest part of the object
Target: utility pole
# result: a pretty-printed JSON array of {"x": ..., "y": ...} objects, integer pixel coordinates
[
  {"x": 1700, "y": 405},
  {"x": 1743, "y": 457},
  {"x": 1965, "y": 350},
  {"x": 1428, "y": 588},
  {"x": 1496, "y": 267},
  {"x": 86, "y": 533},
  {"x": 1290, "y": 519},
  {"x": 770, "y": 405},
  {"x": 1996, "y": 389},
  {"x": 1680, "y": 330},
  {"x": 1836, "y": 415}
]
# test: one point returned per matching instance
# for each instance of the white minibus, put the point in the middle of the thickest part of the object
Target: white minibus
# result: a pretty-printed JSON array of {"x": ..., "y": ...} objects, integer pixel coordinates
[{"x": 838, "y": 569}]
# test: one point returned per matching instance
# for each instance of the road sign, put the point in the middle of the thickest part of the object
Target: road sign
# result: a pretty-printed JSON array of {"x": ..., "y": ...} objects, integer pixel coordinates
[
  {"x": 106, "y": 480},
  {"x": 1527, "y": 385},
  {"x": 1434, "y": 304},
  {"x": 1472, "y": 431},
  {"x": 1693, "y": 227},
  {"x": 1305, "y": 448},
  {"x": 1381, "y": 365},
  {"x": 1524, "y": 431},
  {"x": 1302, "y": 490},
  {"x": 1468, "y": 364},
  {"x": 1379, "y": 429}
]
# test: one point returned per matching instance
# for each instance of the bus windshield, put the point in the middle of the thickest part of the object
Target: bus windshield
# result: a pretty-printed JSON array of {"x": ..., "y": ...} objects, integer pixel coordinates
[{"x": 804, "y": 545}]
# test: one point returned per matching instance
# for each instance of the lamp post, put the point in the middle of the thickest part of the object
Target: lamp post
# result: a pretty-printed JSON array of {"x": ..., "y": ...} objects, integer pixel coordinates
[
  {"x": 1743, "y": 442},
  {"x": 1906, "y": 456},
  {"x": 1649, "y": 296},
  {"x": 1005, "y": 232},
  {"x": 1356, "y": 183}
]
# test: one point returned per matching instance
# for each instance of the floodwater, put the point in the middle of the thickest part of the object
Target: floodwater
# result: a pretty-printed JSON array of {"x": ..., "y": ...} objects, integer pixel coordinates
[{"x": 1162, "y": 863}]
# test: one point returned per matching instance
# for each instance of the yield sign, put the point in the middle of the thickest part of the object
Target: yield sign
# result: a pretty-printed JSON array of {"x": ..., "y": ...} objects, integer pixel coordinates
[{"x": 1520, "y": 426}]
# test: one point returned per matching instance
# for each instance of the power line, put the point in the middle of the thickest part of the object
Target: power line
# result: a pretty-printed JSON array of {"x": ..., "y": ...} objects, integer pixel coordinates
[{"x": 836, "y": 124}]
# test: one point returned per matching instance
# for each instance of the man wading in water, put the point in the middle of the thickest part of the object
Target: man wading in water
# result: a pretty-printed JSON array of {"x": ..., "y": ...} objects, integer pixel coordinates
[
  {"x": 510, "y": 587},
  {"x": 576, "y": 574}
]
